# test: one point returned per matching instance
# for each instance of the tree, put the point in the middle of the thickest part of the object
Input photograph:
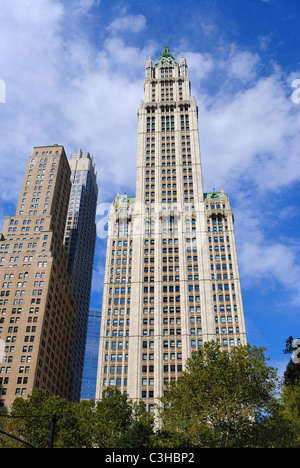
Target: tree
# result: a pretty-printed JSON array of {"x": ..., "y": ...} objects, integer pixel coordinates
[
  {"x": 292, "y": 372},
  {"x": 121, "y": 423},
  {"x": 221, "y": 400},
  {"x": 290, "y": 396},
  {"x": 140, "y": 432},
  {"x": 113, "y": 422},
  {"x": 291, "y": 413},
  {"x": 32, "y": 420}
]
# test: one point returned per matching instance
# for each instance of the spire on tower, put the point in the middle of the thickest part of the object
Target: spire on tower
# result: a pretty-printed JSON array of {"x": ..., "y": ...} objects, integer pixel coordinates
[{"x": 166, "y": 57}]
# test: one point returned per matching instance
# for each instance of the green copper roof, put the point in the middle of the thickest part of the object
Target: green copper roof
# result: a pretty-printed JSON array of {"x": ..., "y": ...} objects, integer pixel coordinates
[
  {"x": 166, "y": 57},
  {"x": 125, "y": 199},
  {"x": 214, "y": 194}
]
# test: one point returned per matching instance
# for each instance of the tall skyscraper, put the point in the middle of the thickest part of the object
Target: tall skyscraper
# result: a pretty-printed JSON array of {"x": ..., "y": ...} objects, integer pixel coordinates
[
  {"x": 80, "y": 241},
  {"x": 37, "y": 309},
  {"x": 172, "y": 278},
  {"x": 89, "y": 379}
]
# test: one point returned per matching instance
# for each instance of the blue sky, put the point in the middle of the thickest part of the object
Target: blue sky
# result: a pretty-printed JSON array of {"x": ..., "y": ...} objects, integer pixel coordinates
[{"x": 74, "y": 74}]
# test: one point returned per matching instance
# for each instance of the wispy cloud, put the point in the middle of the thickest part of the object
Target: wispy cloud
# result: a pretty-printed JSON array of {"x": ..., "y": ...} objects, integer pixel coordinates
[
  {"x": 84, "y": 6},
  {"x": 127, "y": 23}
]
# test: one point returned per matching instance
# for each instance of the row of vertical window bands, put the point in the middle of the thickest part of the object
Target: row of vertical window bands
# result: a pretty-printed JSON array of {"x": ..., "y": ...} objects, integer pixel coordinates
[
  {"x": 225, "y": 318},
  {"x": 23, "y": 284},
  {"x": 121, "y": 252},
  {"x": 147, "y": 394},
  {"x": 115, "y": 333},
  {"x": 172, "y": 368},
  {"x": 114, "y": 382},
  {"x": 172, "y": 278},
  {"x": 116, "y": 357},
  {"x": 115, "y": 322},
  {"x": 225, "y": 342},
  {"x": 168, "y": 124},
  {"x": 169, "y": 156},
  {"x": 184, "y": 118},
  {"x": 220, "y": 239},
  {"x": 27, "y": 338},
  {"x": 172, "y": 344},
  {"x": 116, "y": 370},
  {"x": 117, "y": 301},
  {"x": 219, "y": 267},
  {"x": 121, "y": 261},
  {"x": 223, "y": 287},
  {"x": 117, "y": 345},
  {"x": 119, "y": 280},
  {"x": 171, "y": 310},
  {"x": 18, "y": 310},
  {"x": 15, "y": 329},
  {"x": 120, "y": 311},
  {"x": 227, "y": 331},
  {"x": 21, "y": 293},
  {"x": 121, "y": 290},
  {"x": 172, "y": 356},
  {"x": 18, "y": 391}
]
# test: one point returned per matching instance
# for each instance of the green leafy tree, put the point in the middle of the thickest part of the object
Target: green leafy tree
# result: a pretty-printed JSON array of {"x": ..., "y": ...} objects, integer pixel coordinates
[
  {"x": 290, "y": 396},
  {"x": 120, "y": 423},
  {"x": 140, "y": 432},
  {"x": 291, "y": 414},
  {"x": 112, "y": 418},
  {"x": 6, "y": 428},
  {"x": 32, "y": 419},
  {"x": 113, "y": 422},
  {"x": 222, "y": 400},
  {"x": 292, "y": 372}
]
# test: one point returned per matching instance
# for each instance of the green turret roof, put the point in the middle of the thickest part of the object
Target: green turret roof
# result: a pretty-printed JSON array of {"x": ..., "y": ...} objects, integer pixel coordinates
[{"x": 166, "y": 57}]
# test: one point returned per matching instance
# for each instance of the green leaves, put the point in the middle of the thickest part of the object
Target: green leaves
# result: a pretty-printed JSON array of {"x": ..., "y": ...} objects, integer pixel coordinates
[
  {"x": 221, "y": 399},
  {"x": 112, "y": 422}
]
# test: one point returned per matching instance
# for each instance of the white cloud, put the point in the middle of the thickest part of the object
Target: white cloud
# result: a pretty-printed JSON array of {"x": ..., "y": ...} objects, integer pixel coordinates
[
  {"x": 273, "y": 261},
  {"x": 127, "y": 23},
  {"x": 242, "y": 65},
  {"x": 252, "y": 134},
  {"x": 84, "y": 6},
  {"x": 200, "y": 64},
  {"x": 266, "y": 261},
  {"x": 60, "y": 89}
]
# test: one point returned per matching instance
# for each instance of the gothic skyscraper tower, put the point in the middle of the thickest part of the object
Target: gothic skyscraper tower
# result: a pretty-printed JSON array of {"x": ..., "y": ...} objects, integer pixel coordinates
[{"x": 172, "y": 279}]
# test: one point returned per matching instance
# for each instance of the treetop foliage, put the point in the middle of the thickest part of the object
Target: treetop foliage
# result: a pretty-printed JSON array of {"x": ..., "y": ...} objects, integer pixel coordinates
[{"x": 221, "y": 400}]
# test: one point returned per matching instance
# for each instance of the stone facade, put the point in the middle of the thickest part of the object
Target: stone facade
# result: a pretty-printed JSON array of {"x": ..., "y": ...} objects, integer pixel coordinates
[
  {"x": 172, "y": 278},
  {"x": 37, "y": 309}
]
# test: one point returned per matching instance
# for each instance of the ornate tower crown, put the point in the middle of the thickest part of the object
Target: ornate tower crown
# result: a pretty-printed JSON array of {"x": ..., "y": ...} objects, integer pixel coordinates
[{"x": 166, "y": 57}]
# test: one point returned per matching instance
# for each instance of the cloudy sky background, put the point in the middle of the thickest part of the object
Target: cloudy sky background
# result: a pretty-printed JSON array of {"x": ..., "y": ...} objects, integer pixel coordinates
[{"x": 74, "y": 75}]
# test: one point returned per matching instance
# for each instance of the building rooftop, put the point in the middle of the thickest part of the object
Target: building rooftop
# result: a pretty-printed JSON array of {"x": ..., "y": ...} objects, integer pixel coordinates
[
  {"x": 214, "y": 194},
  {"x": 124, "y": 199},
  {"x": 166, "y": 57}
]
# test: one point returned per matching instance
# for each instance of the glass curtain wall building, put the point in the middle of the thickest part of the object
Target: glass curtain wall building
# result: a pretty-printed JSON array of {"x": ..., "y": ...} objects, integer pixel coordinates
[
  {"x": 80, "y": 241},
  {"x": 89, "y": 378}
]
